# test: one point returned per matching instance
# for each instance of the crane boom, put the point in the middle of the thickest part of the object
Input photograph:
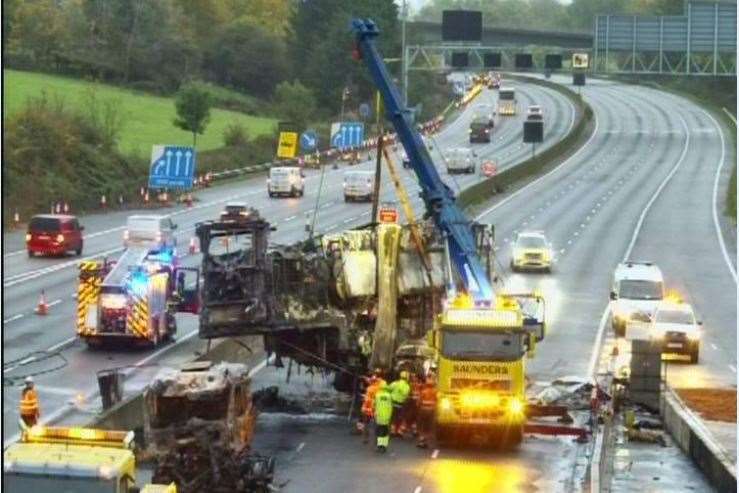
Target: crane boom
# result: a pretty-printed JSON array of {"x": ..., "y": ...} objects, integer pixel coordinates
[{"x": 438, "y": 198}]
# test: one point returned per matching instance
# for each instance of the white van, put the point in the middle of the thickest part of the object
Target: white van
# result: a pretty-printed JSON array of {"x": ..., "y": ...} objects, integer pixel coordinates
[
  {"x": 636, "y": 293},
  {"x": 460, "y": 160},
  {"x": 154, "y": 232},
  {"x": 359, "y": 185},
  {"x": 286, "y": 181}
]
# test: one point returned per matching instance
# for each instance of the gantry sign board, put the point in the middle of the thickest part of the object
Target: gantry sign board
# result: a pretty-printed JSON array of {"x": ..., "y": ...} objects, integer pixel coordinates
[
  {"x": 580, "y": 60},
  {"x": 171, "y": 167}
]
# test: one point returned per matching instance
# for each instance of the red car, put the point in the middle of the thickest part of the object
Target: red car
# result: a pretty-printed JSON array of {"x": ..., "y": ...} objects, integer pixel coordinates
[{"x": 54, "y": 234}]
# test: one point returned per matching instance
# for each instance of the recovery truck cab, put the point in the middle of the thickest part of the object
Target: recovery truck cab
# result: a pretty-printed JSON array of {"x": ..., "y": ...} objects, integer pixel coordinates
[
  {"x": 481, "y": 370},
  {"x": 73, "y": 460},
  {"x": 135, "y": 298}
]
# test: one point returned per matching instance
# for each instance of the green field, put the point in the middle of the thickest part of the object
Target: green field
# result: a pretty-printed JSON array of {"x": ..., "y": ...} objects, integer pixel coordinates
[{"x": 147, "y": 120}]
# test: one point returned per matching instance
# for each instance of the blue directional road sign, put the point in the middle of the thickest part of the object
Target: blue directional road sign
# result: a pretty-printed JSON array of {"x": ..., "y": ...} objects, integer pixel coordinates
[
  {"x": 308, "y": 141},
  {"x": 347, "y": 134},
  {"x": 171, "y": 167}
]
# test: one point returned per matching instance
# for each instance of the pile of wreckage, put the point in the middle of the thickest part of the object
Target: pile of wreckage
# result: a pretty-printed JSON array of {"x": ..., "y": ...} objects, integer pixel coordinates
[{"x": 198, "y": 425}]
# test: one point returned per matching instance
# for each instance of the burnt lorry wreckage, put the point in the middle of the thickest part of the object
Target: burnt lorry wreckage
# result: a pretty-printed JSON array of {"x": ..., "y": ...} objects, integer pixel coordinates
[{"x": 348, "y": 300}]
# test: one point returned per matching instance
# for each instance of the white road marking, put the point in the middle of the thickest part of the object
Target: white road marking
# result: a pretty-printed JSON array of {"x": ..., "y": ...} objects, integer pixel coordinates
[
  {"x": 60, "y": 344},
  {"x": 538, "y": 180},
  {"x": 55, "y": 302},
  {"x": 289, "y": 218},
  {"x": 13, "y": 318},
  {"x": 732, "y": 368},
  {"x": 300, "y": 447},
  {"x": 714, "y": 200},
  {"x": 348, "y": 220},
  {"x": 418, "y": 489},
  {"x": 630, "y": 247},
  {"x": 715, "y": 348},
  {"x": 435, "y": 453},
  {"x": 657, "y": 192}
]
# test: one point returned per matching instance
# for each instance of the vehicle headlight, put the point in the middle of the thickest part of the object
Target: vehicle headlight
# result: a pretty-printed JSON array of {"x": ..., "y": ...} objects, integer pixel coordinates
[{"x": 515, "y": 406}]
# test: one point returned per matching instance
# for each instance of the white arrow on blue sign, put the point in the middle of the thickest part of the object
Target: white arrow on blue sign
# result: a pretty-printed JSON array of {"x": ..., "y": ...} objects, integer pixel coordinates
[
  {"x": 309, "y": 141},
  {"x": 171, "y": 167},
  {"x": 347, "y": 134}
]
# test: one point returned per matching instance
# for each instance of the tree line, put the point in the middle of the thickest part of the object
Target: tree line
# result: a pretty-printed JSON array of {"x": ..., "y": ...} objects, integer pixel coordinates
[{"x": 157, "y": 45}]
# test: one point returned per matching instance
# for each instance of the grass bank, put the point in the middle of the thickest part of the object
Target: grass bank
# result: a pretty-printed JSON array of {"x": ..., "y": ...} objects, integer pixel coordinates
[{"x": 146, "y": 119}]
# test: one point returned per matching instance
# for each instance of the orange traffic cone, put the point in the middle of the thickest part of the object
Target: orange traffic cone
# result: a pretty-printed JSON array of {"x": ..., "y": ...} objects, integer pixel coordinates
[
  {"x": 193, "y": 246},
  {"x": 43, "y": 306}
]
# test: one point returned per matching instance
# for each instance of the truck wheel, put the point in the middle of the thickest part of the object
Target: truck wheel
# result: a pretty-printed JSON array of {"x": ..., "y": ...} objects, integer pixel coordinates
[
  {"x": 271, "y": 195},
  {"x": 78, "y": 251},
  {"x": 30, "y": 254},
  {"x": 511, "y": 436},
  {"x": 513, "y": 266}
]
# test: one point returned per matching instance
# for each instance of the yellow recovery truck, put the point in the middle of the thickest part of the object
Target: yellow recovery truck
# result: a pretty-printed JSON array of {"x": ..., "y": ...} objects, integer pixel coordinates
[
  {"x": 73, "y": 460},
  {"x": 481, "y": 371}
]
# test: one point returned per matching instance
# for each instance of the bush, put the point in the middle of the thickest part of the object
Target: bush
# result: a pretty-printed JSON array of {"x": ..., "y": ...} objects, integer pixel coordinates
[
  {"x": 235, "y": 135},
  {"x": 55, "y": 154}
]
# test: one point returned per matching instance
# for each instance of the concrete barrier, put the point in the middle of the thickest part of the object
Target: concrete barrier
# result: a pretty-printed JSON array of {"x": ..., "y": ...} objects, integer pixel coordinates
[{"x": 696, "y": 442}]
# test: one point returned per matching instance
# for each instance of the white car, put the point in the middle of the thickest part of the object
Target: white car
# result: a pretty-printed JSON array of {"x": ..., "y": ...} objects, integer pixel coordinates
[
  {"x": 676, "y": 327},
  {"x": 636, "y": 292},
  {"x": 531, "y": 251},
  {"x": 359, "y": 185}
]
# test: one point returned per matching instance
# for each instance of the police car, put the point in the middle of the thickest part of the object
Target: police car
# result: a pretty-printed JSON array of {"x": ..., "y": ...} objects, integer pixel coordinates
[
  {"x": 676, "y": 327},
  {"x": 531, "y": 251}
]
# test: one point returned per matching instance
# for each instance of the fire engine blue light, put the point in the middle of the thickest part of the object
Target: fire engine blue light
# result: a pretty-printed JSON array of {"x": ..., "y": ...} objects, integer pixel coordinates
[
  {"x": 164, "y": 257},
  {"x": 139, "y": 283}
]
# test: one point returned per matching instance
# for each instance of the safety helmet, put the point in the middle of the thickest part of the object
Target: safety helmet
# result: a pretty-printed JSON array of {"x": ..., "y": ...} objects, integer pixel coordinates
[
  {"x": 404, "y": 375},
  {"x": 29, "y": 380}
]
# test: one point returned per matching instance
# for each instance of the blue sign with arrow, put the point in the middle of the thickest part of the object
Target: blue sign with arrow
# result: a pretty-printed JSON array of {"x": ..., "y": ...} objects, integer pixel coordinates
[
  {"x": 347, "y": 134},
  {"x": 308, "y": 141},
  {"x": 172, "y": 167}
]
